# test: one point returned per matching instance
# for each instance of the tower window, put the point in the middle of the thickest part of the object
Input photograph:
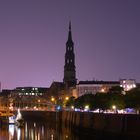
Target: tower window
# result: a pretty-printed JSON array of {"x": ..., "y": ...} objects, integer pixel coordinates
[{"x": 67, "y": 61}]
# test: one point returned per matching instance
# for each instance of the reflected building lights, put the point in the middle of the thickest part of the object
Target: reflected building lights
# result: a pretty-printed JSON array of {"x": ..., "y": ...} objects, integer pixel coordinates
[
  {"x": 66, "y": 136},
  {"x": 42, "y": 130},
  {"x": 34, "y": 124},
  {"x": 26, "y": 130},
  {"x": 52, "y": 137},
  {"x": 33, "y": 131},
  {"x": 11, "y": 132},
  {"x": 38, "y": 136},
  {"x": 32, "y": 134},
  {"x": 18, "y": 134}
]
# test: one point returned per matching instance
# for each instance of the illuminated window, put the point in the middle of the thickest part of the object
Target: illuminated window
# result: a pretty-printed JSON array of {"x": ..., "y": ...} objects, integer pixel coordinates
[
  {"x": 124, "y": 81},
  {"x": 134, "y": 85},
  {"x": 67, "y": 60},
  {"x": 36, "y": 88},
  {"x": 102, "y": 90}
]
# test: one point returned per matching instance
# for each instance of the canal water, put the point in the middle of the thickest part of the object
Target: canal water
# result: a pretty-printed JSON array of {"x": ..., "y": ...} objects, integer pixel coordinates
[
  {"x": 37, "y": 130},
  {"x": 43, "y": 130}
]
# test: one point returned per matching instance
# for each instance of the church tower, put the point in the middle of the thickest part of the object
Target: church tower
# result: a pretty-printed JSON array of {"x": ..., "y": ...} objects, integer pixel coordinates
[{"x": 69, "y": 67}]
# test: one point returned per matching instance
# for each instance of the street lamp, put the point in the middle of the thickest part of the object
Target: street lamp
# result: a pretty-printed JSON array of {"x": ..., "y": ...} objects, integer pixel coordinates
[
  {"x": 86, "y": 108},
  {"x": 72, "y": 107},
  {"x": 67, "y": 98},
  {"x": 114, "y": 108},
  {"x": 52, "y": 99}
]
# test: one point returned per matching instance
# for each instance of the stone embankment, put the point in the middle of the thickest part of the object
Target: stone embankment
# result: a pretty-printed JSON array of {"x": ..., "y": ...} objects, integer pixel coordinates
[
  {"x": 116, "y": 123},
  {"x": 119, "y": 124}
]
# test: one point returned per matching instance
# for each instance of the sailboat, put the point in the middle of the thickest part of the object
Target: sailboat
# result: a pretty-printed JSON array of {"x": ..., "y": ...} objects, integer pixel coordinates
[{"x": 19, "y": 121}]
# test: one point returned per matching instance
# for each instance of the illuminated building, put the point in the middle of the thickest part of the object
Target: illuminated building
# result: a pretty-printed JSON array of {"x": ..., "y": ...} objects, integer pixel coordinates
[
  {"x": 30, "y": 91},
  {"x": 127, "y": 84},
  {"x": 92, "y": 87}
]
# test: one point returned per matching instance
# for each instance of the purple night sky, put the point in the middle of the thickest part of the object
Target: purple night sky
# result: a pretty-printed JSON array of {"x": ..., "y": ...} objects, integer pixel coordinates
[{"x": 33, "y": 34}]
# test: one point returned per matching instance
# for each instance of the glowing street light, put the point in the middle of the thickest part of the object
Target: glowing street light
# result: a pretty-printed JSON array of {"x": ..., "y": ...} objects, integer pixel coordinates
[
  {"x": 72, "y": 107},
  {"x": 86, "y": 108},
  {"x": 52, "y": 99},
  {"x": 113, "y": 107},
  {"x": 67, "y": 98}
]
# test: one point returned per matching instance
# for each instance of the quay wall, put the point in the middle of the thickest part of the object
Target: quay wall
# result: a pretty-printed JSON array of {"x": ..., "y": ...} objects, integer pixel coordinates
[
  {"x": 122, "y": 124},
  {"x": 39, "y": 115}
]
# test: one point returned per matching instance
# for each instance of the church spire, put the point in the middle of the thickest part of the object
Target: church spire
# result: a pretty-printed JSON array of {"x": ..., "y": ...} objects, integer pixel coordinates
[
  {"x": 70, "y": 34},
  {"x": 69, "y": 67},
  {"x": 70, "y": 26}
]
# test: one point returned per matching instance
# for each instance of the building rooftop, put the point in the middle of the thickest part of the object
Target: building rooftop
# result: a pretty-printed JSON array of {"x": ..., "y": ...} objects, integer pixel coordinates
[{"x": 98, "y": 82}]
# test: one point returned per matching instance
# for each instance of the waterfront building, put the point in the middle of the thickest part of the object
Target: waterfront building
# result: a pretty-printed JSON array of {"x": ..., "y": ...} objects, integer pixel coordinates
[
  {"x": 5, "y": 92},
  {"x": 30, "y": 91},
  {"x": 86, "y": 87},
  {"x": 128, "y": 84},
  {"x": 92, "y": 87},
  {"x": 29, "y": 98},
  {"x": 55, "y": 90}
]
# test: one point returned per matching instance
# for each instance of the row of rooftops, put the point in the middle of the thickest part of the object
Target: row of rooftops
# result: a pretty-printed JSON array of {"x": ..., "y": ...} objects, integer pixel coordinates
[
  {"x": 98, "y": 82},
  {"x": 61, "y": 85}
]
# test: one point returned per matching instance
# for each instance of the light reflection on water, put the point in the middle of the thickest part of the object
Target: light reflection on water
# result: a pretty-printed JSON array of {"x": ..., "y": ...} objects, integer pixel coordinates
[
  {"x": 35, "y": 131},
  {"x": 39, "y": 130}
]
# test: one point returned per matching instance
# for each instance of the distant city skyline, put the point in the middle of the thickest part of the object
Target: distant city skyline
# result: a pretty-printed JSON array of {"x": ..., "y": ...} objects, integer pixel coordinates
[{"x": 33, "y": 35}]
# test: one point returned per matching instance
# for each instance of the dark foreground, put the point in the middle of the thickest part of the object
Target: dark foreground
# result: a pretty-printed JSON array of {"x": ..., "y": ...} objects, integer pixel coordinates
[
  {"x": 43, "y": 130},
  {"x": 40, "y": 130},
  {"x": 73, "y": 126}
]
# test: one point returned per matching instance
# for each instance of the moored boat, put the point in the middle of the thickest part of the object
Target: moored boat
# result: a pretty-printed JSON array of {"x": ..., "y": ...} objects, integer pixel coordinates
[
  {"x": 12, "y": 119},
  {"x": 19, "y": 121}
]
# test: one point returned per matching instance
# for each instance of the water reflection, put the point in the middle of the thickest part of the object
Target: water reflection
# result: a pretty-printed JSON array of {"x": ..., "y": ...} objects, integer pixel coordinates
[
  {"x": 18, "y": 132},
  {"x": 11, "y": 132},
  {"x": 35, "y": 130},
  {"x": 39, "y": 130}
]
